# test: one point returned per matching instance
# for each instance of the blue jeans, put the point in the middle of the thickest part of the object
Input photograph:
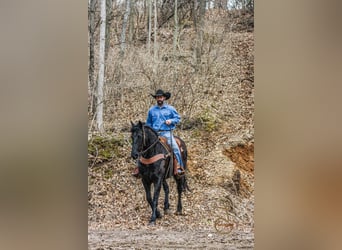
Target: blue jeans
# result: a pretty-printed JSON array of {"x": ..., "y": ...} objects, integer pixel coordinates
[{"x": 174, "y": 144}]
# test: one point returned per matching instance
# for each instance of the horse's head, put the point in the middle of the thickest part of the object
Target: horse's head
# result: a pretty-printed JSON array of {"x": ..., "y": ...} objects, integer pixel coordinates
[{"x": 137, "y": 134}]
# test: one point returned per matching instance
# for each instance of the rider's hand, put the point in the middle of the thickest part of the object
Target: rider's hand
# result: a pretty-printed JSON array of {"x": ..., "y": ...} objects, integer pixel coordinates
[{"x": 168, "y": 122}]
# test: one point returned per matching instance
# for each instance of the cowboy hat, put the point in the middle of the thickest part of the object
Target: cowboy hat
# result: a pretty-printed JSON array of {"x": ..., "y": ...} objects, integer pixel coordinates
[{"x": 160, "y": 92}]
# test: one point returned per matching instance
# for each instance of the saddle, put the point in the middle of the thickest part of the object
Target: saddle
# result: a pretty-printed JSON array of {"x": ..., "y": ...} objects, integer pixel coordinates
[{"x": 164, "y": 142}]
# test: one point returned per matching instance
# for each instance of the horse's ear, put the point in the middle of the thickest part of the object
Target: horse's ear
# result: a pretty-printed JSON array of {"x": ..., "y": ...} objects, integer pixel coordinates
[
  {"x": 132, "y": 123},
  {"x": 140, "y": 123}
]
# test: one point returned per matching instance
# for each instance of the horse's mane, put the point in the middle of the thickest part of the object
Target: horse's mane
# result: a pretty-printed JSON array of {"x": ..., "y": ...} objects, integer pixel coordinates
[
  {"x": 143, "y": 125},
  {"x": 152, "y": 129}
]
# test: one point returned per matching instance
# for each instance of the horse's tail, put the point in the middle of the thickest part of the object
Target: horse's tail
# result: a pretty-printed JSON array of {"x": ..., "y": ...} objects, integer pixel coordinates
[{"x": 185, "y": 186}]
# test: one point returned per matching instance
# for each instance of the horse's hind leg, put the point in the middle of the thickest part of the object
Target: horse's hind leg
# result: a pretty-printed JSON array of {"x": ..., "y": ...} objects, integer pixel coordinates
[
  {"x": 166, "y": 200},
  {"x": 179, "y": 190}
]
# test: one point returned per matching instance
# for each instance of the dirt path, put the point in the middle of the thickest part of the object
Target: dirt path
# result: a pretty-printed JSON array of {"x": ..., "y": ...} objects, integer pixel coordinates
[
  {"x": 118, "y": 211},
  {"x": 159, "y": 238}
]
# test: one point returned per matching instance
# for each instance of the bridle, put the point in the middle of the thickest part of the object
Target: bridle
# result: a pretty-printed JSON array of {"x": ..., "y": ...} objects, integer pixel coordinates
[{"x": 144, "y": 144}]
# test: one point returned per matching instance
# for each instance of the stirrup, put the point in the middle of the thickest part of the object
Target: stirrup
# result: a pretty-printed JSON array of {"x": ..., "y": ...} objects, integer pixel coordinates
[{"x": 180, "y": 172}]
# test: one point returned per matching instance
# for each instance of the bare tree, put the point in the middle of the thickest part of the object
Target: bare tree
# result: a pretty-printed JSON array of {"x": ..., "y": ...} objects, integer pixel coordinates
[
  {"x": 175, "y": 34},
  {"x": 109, "y": 18},
  {"x": 155, "y": 33},
  {"x": 199, "y": 31},
  {"x": 124, "y": 26},
  {"x": 194, "y": 11},
  {"x": 241, "y": 4},
  {"x": 100, "y": 83},
  {"x": 91, "y": 63},
  {"x": 221, "y": 4},
  {"x": 131, "y": 21},
  {"x": 149, "y": 24}
]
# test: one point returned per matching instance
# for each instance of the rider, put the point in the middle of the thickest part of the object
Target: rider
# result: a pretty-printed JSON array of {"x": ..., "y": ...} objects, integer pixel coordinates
[{"x": 163, "y": 118}]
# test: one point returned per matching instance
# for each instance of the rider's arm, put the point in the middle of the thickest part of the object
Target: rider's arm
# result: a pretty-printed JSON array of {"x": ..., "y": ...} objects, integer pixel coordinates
[
  {"x": 149, "y": 118},
  {"x": 175, "y": 117}
]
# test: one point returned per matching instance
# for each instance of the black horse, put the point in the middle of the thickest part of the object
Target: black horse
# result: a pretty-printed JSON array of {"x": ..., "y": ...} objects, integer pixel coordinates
[{"x": 155, "y": 166}]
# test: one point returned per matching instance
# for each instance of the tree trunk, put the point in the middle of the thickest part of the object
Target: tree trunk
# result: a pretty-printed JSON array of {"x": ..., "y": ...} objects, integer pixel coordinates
[
  {"x": 194, "y": 11},
  {"x": 221, "y": 4},
  {"x": 91, "y": 63},
  {"x": 199, "y": 31},
  {"x": 225, "y": 4},
  {"x": 124, "y": 26},
  {"x": 131, "y": 22},
  {"x": 109, "y": 18},
  {"x": 155, "y": 34},
  {"x": 175, "y": 34},
  {"x": 100, "y": 84},
  {"x": 149, "y": 25},
  {"x": 175, "y": 39}
]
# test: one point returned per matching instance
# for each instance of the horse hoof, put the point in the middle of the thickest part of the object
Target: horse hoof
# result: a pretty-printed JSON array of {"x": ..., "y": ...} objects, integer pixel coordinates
[
  {"x": 152, "y": 223},
  {"x": 159, "y": 216},
  {"x": 178, "y": 213},
  {"x": 167, "y": 211}
]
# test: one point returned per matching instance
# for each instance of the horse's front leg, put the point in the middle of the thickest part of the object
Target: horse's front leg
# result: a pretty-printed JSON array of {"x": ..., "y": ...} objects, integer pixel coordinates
[
  {"x": 155, "y": 212},
  {"x": 166, "y": 199},
  {"x": 147, "y": 187}
]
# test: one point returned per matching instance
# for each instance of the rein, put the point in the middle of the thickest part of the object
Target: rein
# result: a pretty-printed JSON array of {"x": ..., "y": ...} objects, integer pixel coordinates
[
  {"x": 153, "y": 158},
  {"x": 149, "y": 147}
]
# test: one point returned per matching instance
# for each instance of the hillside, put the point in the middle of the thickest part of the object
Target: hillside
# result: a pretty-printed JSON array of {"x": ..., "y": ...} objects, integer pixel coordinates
[{"x": 216, "y": 102}]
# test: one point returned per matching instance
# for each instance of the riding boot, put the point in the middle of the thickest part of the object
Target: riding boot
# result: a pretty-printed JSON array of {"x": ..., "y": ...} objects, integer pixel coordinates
[
  {"x": 177, "y": 169},
  {"x": 136, "y": 173}
]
